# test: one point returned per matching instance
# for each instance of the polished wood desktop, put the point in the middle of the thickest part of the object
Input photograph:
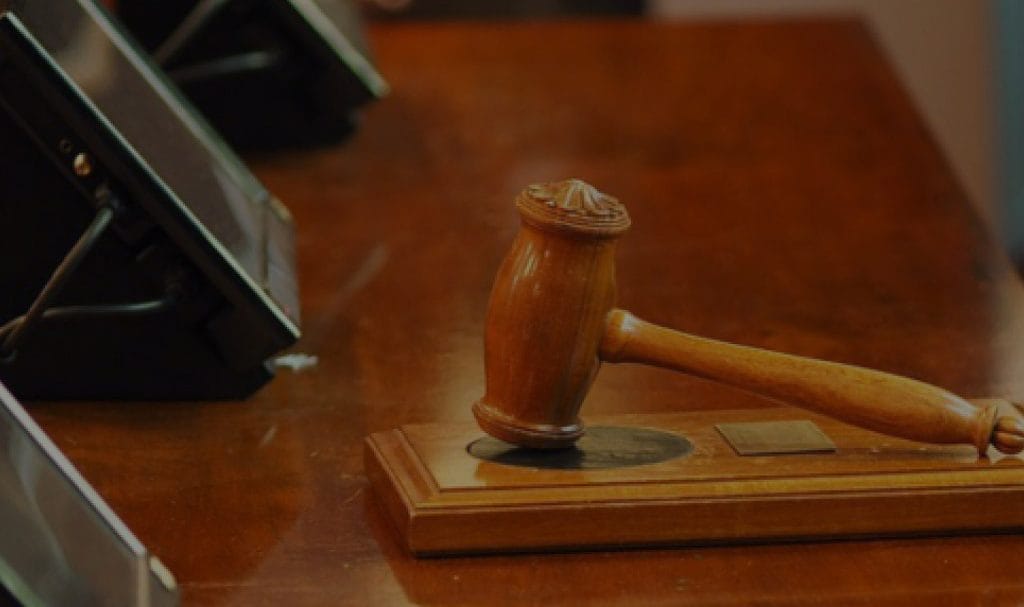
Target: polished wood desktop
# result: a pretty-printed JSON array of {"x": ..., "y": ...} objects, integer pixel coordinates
[{"x": 784, "y": 193}]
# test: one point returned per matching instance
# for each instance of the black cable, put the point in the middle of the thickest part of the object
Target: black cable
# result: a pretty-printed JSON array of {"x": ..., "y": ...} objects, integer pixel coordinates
[
  {"x": 192, "y": 24},
  {"x": 57, "y": 282},
  {"x": 140, "y": 308},
  {"x": 253, "y": 61},
  {"x": 13, "y": 332}
]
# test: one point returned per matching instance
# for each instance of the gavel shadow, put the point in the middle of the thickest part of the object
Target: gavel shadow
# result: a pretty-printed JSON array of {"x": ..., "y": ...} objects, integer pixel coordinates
[{"x": 601, "y": 447}]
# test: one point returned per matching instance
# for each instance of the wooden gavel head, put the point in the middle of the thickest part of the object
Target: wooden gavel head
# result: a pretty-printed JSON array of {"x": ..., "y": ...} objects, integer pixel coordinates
[
  {"x": 552, "y": 320},
  {"x": 547, "y": 314}
]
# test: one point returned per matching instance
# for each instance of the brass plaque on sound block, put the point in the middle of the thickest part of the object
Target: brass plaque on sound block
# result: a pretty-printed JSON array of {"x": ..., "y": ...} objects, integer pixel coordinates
[{"x": 772, "y": 438}]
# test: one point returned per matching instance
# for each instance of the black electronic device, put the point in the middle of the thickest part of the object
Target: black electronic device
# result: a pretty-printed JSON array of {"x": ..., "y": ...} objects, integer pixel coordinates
[
  {"x": 61, "y": 543},
  {"x": 266, "y": 73},
  {"x": 139, "y": 258}
]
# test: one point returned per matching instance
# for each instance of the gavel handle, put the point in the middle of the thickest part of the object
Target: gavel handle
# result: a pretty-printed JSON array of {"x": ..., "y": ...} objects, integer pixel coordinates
[{"x": 882, "y": 402}]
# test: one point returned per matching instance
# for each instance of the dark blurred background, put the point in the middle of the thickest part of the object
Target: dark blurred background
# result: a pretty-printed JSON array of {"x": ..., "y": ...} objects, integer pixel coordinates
[{"x": 961, "y": 60}]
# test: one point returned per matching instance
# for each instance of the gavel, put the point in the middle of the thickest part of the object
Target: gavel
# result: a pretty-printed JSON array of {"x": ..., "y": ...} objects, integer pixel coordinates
[{"x": 552, "y": 321}]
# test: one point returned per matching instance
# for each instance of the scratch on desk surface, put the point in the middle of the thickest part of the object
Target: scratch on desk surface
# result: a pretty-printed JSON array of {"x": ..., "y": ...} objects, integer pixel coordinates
[
  {"x": 268, "y": 436},
  {"x": 371, "y": 265},
  {"x": 352, "y": 498}
]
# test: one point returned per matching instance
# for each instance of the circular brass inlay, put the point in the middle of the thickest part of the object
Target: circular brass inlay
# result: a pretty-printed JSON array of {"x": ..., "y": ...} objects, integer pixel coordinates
[{"x": 601, "y": 447}]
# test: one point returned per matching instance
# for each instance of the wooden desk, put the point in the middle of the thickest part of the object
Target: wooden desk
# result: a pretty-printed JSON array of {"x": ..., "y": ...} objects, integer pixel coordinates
[{"x": 784, "y": 194}]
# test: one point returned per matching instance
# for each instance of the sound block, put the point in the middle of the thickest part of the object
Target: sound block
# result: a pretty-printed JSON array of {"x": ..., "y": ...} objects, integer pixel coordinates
[{"x": 648, "y": 480}]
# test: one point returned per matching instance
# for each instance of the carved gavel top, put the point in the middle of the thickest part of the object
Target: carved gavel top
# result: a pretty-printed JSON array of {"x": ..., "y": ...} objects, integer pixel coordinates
[{"x": 552, "y": 321}]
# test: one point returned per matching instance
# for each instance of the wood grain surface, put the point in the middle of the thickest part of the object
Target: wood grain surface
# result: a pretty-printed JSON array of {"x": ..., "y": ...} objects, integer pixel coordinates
[
  {"x": 445, "y": 498},
  {"x": 784, "y": 193}
]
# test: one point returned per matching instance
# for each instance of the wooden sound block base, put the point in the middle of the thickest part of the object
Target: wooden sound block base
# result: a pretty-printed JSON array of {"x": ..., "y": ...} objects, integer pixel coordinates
[{"x": 443, "y": 500}]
